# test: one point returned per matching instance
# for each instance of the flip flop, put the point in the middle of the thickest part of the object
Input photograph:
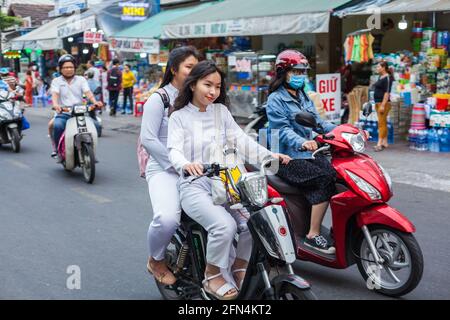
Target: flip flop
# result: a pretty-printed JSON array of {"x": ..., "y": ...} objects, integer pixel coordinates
[
  {"x": 171, "y": 278},
  {"x": 378, "y": 148}
]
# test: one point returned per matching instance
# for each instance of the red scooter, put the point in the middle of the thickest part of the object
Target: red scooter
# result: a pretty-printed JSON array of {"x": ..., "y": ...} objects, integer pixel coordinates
[{"x": 365, "y": 229}]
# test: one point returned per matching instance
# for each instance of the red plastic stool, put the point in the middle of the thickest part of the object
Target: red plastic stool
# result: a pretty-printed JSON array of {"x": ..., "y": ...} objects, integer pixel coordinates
[{"x": 138, "y": 109}]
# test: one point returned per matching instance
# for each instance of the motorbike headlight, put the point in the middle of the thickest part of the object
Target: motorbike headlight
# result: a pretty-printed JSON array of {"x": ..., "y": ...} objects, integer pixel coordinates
[
  {"x": 4, "y": 113},
  {"x": 17, "y": 112},
  {"x": 80, "y": 109},
  {"x": 254, "y": 187},
  {"x": 364, "y": 186},
  {"x": 357, "y": 141},
  {"x": 387, "y": 177}
]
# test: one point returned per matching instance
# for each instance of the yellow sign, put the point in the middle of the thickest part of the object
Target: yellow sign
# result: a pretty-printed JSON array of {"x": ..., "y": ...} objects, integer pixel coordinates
[{"x": 133, "y": 11}]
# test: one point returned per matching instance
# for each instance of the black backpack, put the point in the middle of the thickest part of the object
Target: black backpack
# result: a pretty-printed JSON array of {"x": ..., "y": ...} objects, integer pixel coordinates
[
  {"x": 165, "y": 98},
  {"x": 113, "y": 80}
]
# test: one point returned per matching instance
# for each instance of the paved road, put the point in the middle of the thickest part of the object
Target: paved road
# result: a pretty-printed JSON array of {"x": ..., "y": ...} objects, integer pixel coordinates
[{"x": 51, "y": 219}]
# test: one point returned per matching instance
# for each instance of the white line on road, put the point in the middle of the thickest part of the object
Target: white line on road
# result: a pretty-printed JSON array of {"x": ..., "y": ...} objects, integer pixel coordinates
[
  {"x": 91, "y": 196},
  {"x": 19, "y": 164}
]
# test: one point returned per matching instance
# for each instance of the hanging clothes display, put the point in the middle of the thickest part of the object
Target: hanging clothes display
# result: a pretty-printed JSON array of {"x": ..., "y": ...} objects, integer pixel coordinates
[{"x": 358, "y": 47}]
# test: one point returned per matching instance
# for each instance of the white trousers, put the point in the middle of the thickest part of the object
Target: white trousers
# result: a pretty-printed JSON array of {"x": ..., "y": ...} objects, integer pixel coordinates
[
  {"x": 196, "y": 200},
  {"x": 164, "y": 195}
]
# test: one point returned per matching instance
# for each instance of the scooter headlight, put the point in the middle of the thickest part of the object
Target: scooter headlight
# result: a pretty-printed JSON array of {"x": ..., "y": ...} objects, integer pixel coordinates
[
  {"x": 357, "y": 141},
  {"x": 4, "y": 114},
  {"x": 387, "y": 177},
  {"x": 254, "y": 187},
  {"x": 80, "y": 109},
  {"x": 364, "y": 186}
]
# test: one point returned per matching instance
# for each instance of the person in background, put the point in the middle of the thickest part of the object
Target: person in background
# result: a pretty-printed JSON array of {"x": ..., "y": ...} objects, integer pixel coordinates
[
  {"x": 128, "y": 81},
  {"x": 29, "y": 89},
  {"x": 382, "y": 89},
  {"x": 91, "y": 68},
  {"x": 104, "y": 82},
  {"x": 114, "y": 87}
]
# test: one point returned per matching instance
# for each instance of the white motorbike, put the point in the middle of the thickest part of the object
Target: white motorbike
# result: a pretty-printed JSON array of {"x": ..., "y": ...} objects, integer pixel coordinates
[
  {"x": 10, "y": 120},
  {"x": 77, "y": 145}
]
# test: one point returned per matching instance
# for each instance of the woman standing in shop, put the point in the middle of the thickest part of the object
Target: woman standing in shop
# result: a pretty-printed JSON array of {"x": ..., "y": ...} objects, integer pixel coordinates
[{"x": 382, "y": 89}]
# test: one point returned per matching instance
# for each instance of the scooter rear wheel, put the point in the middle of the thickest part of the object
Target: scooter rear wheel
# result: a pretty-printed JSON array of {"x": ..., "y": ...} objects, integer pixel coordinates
[{"x": 88, "y": 166}]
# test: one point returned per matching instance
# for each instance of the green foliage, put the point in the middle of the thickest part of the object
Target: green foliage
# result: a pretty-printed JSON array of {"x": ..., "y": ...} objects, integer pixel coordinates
[{"x": 8, "y": 21}]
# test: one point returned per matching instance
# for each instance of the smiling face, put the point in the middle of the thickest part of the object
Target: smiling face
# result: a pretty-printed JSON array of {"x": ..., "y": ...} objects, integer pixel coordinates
[{"x": 207, "y": 90}]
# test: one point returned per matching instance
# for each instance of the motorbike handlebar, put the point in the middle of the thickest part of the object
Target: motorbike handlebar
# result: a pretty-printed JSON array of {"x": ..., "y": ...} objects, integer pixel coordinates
[{"x": 209, "y": 170}]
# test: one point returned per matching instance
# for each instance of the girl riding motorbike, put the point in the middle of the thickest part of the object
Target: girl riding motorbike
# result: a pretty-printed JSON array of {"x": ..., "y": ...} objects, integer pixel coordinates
[
  {"x": 160, "y": 175},
  {"x": 191, "y": 135}
]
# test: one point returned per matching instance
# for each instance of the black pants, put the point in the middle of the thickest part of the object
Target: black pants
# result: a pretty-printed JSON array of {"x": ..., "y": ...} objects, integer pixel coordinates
[
  {"x": 127, "y": 92},
  {"x": 113, "y": 99},
  {"x": 316, "y": 178}
]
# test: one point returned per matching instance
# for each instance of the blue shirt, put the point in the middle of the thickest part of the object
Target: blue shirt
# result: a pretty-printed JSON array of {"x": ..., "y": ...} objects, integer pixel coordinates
[{"x": 281, "y": 110}]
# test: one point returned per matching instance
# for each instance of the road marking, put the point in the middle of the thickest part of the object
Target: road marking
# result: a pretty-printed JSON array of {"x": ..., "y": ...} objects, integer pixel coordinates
[
  {"x": 91, "y": 196},
  {"x": 19, "y": 164}
]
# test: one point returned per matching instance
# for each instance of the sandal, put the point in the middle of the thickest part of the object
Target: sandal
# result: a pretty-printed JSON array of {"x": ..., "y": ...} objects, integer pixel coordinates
[
  {"x": 220, "y": 293},
  {"x": 170, "y": 278},
  {"x": 239, "y": 283},
  {"x": 378, "y": 148}
]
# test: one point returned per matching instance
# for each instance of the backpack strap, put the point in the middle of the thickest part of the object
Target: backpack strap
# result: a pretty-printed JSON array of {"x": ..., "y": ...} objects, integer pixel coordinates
[{"x": 164, "y": 97}]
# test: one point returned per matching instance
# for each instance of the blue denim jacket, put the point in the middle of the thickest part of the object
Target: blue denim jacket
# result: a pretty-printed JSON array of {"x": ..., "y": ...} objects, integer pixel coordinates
[{"x": 281, "y": 111}]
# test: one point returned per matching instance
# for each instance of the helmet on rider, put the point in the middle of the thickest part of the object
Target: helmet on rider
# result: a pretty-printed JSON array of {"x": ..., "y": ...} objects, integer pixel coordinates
[
  {"x": 291, "y": 59},
  {"x": 66, "y": 58},
  {"x": 4, "y": 71}
]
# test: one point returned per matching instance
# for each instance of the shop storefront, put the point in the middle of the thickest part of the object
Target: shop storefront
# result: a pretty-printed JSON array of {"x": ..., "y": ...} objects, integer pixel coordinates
[
  {"x": 234, "y": 27},
  {"x": 415, "y": 41}
]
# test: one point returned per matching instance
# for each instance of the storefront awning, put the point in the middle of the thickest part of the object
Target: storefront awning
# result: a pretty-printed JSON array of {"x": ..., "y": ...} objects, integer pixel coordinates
[
  {"x": 254, "y": 17},
  {"x": 402, "y": 7},
  {"x": 44, "y": 37},
  {"x": 151, "y": 28}
]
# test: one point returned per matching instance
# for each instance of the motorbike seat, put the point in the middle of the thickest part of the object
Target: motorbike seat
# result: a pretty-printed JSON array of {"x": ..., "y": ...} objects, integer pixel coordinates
[{"x": 283, "y": 187}]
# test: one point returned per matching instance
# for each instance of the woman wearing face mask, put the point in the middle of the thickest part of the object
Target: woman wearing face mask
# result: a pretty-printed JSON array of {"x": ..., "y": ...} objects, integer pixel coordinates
[
  {"x": 316, "y": 178},
  {"x": 160, "y": 175},
  {"x": 191, "y": 136}
]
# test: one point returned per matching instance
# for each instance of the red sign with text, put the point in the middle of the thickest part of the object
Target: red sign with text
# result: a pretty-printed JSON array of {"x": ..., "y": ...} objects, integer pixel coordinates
[
  {"x": 92, "y": 37},
  {"x": 329, "y": 88}
]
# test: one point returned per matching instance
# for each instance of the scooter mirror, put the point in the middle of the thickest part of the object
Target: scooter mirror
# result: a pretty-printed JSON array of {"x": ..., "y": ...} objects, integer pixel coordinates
[
  {"x": 367, "y": 109},
  {"x": 306, "y": 119}
]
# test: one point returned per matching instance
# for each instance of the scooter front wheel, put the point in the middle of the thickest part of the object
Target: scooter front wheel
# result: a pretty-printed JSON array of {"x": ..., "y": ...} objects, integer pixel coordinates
[
  {"x": 15, "y": 139},
  {"x": 88, "y": 162},
  {"x": 402, "y": 268}
]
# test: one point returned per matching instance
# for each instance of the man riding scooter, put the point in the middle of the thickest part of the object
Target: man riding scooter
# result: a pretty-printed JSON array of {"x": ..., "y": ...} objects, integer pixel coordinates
[{"x": 67, "y": 91}]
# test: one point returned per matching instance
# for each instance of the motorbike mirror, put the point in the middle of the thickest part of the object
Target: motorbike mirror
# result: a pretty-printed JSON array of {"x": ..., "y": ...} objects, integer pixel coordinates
[
  {"x": 306, "y": 119},
  {"x": 367, "y": 109}
]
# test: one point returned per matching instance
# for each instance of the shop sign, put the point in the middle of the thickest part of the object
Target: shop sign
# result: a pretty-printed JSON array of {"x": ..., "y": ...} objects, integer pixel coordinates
[
  {"x": 282, "y": 24},
  {"x": 92, "y": 37},
  {"x": 135, "y": 45},
  {"x": 67, "y": 6},
  {"x": 134, "y": 11},
  {"x": 329, "y": 88},
  {"x": 243, "y": 65},
  {"x": 76, "y": 25}
]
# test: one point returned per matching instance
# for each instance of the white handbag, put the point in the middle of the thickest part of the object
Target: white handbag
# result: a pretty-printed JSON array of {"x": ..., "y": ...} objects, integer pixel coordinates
[{"x": 218, "y": 190}]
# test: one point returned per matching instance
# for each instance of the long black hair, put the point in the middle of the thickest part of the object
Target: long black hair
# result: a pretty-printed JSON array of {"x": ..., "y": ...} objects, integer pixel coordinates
[
  {"x": 279, "y": 80},
  {"x": 200, "y": 71},
  {"x": 176, "y": 57}
]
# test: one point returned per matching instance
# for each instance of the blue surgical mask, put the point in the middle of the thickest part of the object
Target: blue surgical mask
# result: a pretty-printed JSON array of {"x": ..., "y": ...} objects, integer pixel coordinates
[{"x": 297, "y": 81}]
